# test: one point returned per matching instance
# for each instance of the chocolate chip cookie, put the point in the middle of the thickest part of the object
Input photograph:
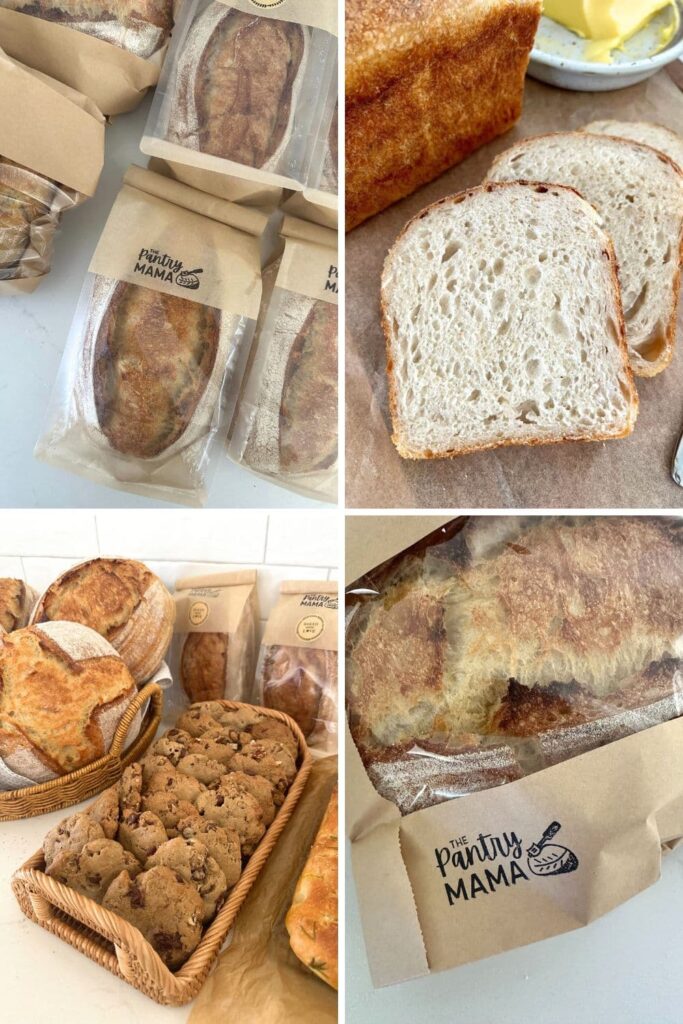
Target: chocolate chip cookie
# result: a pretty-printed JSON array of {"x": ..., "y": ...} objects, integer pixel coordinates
[
  {"x": 260, "y": 788},
  {"x": 215, "y": 744},
  {"x": 235, "y": 812},
  {"x": 130, "y": 788},
  {"x": 271, "y": 729},
  {"x": 168, "y": 780},
  {"x": 224, "y": 846},
  {"x": 268, "y": 758},
  {"x": 170, "y": 809},
  {"x": 202, "y": 768},
  {"x": 71, "y": 835},
  {"x": 173, "y": 744},
  {"x": 191, "y": 859},
  {"x": 142, "y": 832},
  {"x": 105, "y": 811},
  {"x": 196, "y": 720},
  {"x": 164, "y": 907},
  {"x": 92, "y": 870},
  {"x": 153, "y": 763}
]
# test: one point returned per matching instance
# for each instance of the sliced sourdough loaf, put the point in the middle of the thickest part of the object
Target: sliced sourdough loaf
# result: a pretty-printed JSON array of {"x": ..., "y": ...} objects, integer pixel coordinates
[
  {"x": 503, "y": 324},
  {"x": 655, "y": 135},
  {"x": 638, "y": 192}
]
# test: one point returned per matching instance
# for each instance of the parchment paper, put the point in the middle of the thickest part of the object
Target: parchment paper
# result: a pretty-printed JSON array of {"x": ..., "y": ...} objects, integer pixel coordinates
[
  {"x": 258, "y": 979},
  {"x": 633, "y": 472}
]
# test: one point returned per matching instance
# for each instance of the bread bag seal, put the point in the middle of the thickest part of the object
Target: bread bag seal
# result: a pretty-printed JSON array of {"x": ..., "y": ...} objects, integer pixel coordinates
[
  {"x": 159, "y": 341},
  {"x": 221, "y": 107},
  {"x": 297, "y": 663},
  {"x": 112, "y": 62},
  {"x": 216, "y": 635},
  {"x": 285, "y": 427},
  {"x": 51, "y": 156}
]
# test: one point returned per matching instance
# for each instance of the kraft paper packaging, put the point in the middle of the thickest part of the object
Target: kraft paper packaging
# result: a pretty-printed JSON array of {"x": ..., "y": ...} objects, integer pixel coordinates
[
  {"x": 216, "y": 635},
  {"x": 258, "y": 978},
  {"x": 629, "y": 473},
  {"x": 51, "y": 156},
  {"x": 285, "y": 426},
  {"x": 501, "y": 850},
  {"x": 173, "y": 259},
  {"x": 297, "y": 663},
  {"x": 112, "y": 62},
  {"x": 278, "y": 136}
]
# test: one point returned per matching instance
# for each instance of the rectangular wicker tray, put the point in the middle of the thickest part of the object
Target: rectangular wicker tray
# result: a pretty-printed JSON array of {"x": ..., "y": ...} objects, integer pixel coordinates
[{"x": 114, "y": 943}]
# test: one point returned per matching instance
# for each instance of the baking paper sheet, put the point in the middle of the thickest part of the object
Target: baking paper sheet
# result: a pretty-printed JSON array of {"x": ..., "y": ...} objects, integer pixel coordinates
[{"x": 633, "y": 472}]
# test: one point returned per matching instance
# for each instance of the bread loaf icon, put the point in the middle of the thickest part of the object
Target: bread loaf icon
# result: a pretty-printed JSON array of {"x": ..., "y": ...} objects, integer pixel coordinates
[{"x": 545, "y": 858}]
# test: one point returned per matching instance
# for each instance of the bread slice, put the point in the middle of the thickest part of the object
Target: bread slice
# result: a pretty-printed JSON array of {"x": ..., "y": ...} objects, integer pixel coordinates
[
  {"x": 639, "y": 194},
  {"x": 654, "y": 135},
  {"x": 503, "y": 324}
]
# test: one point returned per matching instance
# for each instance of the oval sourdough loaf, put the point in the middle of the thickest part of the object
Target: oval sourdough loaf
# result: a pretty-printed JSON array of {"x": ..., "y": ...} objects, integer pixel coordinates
[
  {"x": 63, "y": 690},
  {"x": 120, "y": 599},
  {"x": 236, "y": 87},
  {"x": 204, "y": 666},
  {"x": 16, "y": 601}
]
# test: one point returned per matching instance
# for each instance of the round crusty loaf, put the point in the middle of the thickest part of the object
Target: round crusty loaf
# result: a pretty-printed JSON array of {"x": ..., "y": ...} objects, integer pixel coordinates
[
  {"x": 16, "y": 601},
  {"x": 63, "y": 690},
  {"x": 120, "y": 599}
]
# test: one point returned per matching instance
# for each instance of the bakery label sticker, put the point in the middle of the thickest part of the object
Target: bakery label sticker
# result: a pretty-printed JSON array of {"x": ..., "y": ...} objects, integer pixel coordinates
[
  {"x": 162, "y": 267},
  {"x": 471, "y": 869},
  {"x": 310, "y": 627},
  {"x": 199, "y": 613}
]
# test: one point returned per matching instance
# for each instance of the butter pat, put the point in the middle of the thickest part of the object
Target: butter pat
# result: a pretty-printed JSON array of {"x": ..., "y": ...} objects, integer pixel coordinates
[{"x": 607, "y": 24}]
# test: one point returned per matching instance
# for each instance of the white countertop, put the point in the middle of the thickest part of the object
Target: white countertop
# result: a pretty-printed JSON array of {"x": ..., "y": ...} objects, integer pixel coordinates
[
  {"x": 33, "y": 330},
  {"x": 624, "y": 968}
]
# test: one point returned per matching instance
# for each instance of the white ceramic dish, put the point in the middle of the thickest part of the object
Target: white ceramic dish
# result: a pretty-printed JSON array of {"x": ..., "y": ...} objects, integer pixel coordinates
[{"x": 558, "y": 57}]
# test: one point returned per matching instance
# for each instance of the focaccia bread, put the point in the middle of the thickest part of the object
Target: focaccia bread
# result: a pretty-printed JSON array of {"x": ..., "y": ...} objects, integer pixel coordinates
[
  {"x": 16, "y": 602},
  {"x": 551, "y": 638},
  {"x": 312, "y": 920},
  {"x": 427, "y": 83},
  {"x": 139, "y": 26},
  {"x": 236, "y": 86},
  {"x": 120, "y": 599},
  {"x": 63, "y": 691}
]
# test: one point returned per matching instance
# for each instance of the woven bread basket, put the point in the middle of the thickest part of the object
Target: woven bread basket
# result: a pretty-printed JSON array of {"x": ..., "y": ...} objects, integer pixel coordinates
[
  {"x": 93, "y": 778},
  {"x": 113, "y": 943}
]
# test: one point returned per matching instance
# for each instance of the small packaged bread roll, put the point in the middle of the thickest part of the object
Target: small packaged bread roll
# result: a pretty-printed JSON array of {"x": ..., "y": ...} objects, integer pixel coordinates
[
  {"x": 16, "y": 602},
  {"x": 216, "y": 630},
  {"x": 297, "y": 666}
]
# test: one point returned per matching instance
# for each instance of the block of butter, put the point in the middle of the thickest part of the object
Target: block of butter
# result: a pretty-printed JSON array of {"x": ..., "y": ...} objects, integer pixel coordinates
[{"x": 608, "y": 24}]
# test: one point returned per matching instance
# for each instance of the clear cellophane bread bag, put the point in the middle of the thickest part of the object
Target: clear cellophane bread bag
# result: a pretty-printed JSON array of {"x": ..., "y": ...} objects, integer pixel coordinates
[
  {"x": 499, "y": 646},
  {"x": 51, "y": 155},
  {"x": 248, "y": 91},
  {"x": 159, "y": 342},
  {"x": 216, "y": 636},
  {"x": 297, "y": 662},
  {"x": 110, "y": 52},
  {"x": 285, "y": 426}
]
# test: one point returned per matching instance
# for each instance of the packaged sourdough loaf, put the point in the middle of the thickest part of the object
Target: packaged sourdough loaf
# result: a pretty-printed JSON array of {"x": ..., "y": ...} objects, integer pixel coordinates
[
  {"x": 51, "y": 155},
  {"x": 285, "y": 426},
  {"x": 157, "y": 348},
  {"x": 217, "y": 635},
  {"x": 248, "y": 90},
  {"x": 515, "y": 750},
  {"x": 297, "y": 662},
  {"x": 108, "y": 50}
]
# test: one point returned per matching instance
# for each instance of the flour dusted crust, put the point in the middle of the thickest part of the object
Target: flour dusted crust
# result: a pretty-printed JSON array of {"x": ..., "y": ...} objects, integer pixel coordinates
[
  {"x": 312, "y": 920},
  {"x": 123, "y": 601},
  {"x": 16, "y": 601},
  {"x": 63, "y": 691},
  {"x": 139, "y": 26},
  {"x": 237, "y": 85}
]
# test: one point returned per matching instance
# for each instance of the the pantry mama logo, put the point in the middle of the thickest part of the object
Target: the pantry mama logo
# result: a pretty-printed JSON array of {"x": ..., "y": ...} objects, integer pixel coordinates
[
  {"x": 162, "y": 267},
  {"x": 481, "y": 866}
]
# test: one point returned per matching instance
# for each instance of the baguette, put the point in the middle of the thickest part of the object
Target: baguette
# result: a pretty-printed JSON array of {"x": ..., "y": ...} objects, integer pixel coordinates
[{"x": 504, "y": 326}]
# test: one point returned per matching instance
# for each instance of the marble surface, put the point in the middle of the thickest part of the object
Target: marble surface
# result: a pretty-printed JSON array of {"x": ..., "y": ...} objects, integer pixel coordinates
[{"x": 33, "y": 331}]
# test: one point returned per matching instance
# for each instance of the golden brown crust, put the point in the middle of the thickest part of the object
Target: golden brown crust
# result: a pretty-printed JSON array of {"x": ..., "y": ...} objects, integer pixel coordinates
[
  {"x": 15, "y": 604},
  {"x": 153, "y": 359},
  {"x": 609, "y": 254},
  {"x": 426, "y": 85},
  {"x": 203, "y": 666},
  {"x": 312, "y": 920}
]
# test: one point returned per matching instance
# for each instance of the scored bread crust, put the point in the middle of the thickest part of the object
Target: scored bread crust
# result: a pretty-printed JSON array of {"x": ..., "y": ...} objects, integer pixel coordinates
[
  {"x": 466, "y": 449},
  {"x": 642, "y": 368}
]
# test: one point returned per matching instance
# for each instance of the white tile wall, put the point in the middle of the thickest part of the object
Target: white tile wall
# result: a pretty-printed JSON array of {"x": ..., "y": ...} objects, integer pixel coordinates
[{"x": 39, "y": 545}]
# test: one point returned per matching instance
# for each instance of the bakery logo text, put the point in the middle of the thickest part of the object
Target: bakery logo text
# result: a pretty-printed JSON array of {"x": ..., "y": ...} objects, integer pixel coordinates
[
  {"x": 319, "y": 601},
  {"x": 471, "y": 869},
  {"x": 332, "y": 282},
  {"x": 162, "y": 267}
]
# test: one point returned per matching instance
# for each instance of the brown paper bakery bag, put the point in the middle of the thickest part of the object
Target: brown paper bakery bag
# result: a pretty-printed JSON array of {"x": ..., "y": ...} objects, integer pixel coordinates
[
  {"x": 51, "y": 155},
  {"x": 113, "y": 62},
  {"x": 130, "y": 413},
  {"x": 216, "y": 635},
  {"x": 297, "y": 664},
  {"x": 225, "y": 186},
  {"x": 468, "y": 845},
  {"x": 286, "y": 423},
  {"x": 221, "y": 107},
  {"x": 258, "y": 979}
]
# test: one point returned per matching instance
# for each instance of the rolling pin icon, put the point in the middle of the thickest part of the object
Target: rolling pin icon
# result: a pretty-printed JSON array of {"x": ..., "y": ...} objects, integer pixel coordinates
[{"x": 545, "y": 858}]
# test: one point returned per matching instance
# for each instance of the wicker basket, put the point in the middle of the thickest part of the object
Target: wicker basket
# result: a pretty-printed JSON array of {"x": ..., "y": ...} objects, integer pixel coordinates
[
  {"x": 93, "y": 778},
  {"x": 115, "y": 944}
]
